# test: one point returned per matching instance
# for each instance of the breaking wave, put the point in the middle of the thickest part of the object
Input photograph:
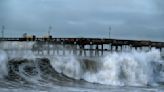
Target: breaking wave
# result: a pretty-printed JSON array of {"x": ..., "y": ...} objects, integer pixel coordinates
[{"x": 134, "y": 68}]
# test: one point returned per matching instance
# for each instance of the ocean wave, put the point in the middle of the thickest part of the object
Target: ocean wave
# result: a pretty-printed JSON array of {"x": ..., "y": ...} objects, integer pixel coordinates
[{"x": 134, "y": 68}]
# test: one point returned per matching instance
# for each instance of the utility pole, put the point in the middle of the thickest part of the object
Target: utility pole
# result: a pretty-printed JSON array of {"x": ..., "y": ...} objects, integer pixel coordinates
[
  {"x": 110, "y": 29},
  {"x": 110, "y": 45},
  {"x": 2, "y": 31},
  {"x": 49, "y": 30}
]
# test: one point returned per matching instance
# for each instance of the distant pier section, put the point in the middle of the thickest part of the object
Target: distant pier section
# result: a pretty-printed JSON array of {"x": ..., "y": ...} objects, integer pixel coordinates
[{"x": 84, "y": 46}]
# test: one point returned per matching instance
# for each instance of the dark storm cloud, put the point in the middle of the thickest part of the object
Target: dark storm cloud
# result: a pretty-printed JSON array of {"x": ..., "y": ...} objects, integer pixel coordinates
[{"x": 130, "y": 19}]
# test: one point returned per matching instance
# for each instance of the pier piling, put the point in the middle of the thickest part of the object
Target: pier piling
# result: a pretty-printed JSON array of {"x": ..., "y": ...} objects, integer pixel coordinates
[{"x": 84, "y": 46}]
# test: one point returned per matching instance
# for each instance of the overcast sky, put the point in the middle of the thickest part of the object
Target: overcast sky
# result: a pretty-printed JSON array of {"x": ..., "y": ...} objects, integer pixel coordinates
[{"x": 129, "y": 19}]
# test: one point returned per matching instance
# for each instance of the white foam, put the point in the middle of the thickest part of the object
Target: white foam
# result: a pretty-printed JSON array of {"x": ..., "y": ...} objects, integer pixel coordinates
[
  {"x": 68, "y": 66},
  {"x": 135, "y": 66},
  {"x": 132, "y": 68},
  {"x": 3, "y": 64}
]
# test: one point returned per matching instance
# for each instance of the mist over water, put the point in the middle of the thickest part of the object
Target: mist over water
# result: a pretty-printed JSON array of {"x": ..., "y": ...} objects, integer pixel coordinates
[{"x": 116, "y": 69}]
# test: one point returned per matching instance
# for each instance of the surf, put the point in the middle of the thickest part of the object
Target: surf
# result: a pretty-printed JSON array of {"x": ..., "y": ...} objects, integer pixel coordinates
[{"x": 132, "y": 68}]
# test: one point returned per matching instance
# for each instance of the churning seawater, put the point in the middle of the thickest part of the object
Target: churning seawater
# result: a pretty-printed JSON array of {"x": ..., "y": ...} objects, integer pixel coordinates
[{"x": 137, "y": 71}]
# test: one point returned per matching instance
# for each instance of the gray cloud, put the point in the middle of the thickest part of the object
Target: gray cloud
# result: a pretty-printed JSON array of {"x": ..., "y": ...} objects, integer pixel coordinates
[{"x": 130, "y": 19}]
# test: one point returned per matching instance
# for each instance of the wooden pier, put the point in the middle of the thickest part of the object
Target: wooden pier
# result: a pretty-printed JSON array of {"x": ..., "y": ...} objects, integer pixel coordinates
[{"x": 84, "y": 46}]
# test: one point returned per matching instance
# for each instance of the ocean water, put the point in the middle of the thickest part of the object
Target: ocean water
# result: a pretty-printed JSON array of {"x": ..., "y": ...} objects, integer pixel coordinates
[{"x": 127, "y": 71}]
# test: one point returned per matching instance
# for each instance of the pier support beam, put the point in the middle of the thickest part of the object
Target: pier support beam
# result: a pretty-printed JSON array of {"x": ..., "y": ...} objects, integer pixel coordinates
[
  {"x": 48, "y": 48},
  {"x": 96, "y": 50},
  {"x": 160, "y": 49},
  {"x": 140, "y": 48},
  {"x": 102, "y": 48},
  {"x": 150, "y": 48},
  {"x": 70, "y": 49},
  {"x": 54, "y": 48},
  {"x": 57, "y": 49},
  {"x": 84, "y": 51},
  {"x": 81, "y": 50},
  {"x": 91, "y": 50},
  {"x": 63, "y": 49},
  {"x": 75, "y": 50},
  {"x": 111, "y": 48},
  {"x": 116, "y": 48}
]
